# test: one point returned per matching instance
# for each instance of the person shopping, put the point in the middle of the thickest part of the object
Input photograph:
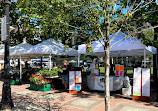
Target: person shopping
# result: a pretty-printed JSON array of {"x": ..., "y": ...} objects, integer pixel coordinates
[{"x": 65, "y": 74}]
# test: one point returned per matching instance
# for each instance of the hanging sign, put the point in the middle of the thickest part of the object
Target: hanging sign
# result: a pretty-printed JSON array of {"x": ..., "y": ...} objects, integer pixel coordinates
[{"x": 3, "y": 29}]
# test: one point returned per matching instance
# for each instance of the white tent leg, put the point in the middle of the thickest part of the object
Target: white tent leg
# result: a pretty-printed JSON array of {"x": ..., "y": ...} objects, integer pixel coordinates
[
  {"x": 50, "y": 62},
  {"x": 20, "y": 69},
  {"x": 144, "y": 57},
  {"x": 79, "y": 59}
]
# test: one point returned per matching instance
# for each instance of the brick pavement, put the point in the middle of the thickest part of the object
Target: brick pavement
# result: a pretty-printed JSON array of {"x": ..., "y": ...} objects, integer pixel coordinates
[{"x": 55, "y": 100}]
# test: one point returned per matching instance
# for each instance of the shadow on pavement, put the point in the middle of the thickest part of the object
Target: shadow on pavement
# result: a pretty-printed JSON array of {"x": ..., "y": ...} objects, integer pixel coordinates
[
  {"x": 38, "y": 103},
  {"x": 152, "y": 104}
]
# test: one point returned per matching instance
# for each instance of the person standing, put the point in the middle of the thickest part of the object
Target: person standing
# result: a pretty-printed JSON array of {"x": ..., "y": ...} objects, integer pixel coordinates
[
  {"x": 26, "y": 64},
  {"x": 88, "y": 70},
  {"x": 65, "y": 74}
]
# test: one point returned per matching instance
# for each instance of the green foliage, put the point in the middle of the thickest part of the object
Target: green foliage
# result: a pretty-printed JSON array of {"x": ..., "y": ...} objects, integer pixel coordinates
[
  {"x": 143, "y": 15},
  {"x": 89, "y": 48},
  {"x": 53, "y": 72},
  {"x": 66, "y": 47},
  {"x": 1, "y": 9},
  {"x": 52, "y": 16},
  {"x": 147, "y": 37},
  {"x": 20, "y": 23}
]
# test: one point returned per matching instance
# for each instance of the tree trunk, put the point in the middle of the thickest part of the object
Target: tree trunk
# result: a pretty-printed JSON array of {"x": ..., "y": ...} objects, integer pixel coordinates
[
  {"x": 107, "y": 69},
  {"x": 107, "y": 58},
  {"x": 6, "y": 102}
]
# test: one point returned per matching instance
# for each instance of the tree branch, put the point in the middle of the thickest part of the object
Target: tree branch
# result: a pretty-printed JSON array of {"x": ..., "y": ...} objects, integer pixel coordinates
[
  {"x": 121, "y": 40},
  {"x": 133, "y": 5},
  {"x": 141, "y": 7},
  {"x": 74, "y": 27},
  {"x": 115, "y": 35},
  {"x": 148, "y": 29}
]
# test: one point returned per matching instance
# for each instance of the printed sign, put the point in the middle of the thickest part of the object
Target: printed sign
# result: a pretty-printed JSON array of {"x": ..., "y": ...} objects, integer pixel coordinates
[
  {"x": 75, "y": 81},
  {"x": 78, "y": 77},
  {"x": 71, "y": 80},
  {"x": 137, "y": 82},
  {"x": 78, "y": 87},
  {"x": 146, "y": 82}
]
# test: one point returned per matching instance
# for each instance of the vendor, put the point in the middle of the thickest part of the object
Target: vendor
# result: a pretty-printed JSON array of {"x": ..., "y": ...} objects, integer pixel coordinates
[
  {"x": 112, "y": 66},
  {"x": 65, "y": 74},
  {"x": 26, "y": 64},
  {"x": 88, "y": 70}
]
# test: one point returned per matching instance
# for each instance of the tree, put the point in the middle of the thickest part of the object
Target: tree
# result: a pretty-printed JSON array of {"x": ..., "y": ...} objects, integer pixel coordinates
[
  {"x": 17, "y": 21},
  {"x": 148, "y": 33},
  {"x": 46, "y": 15},
  {"x": 102, "y": 18},
  {"x": 145, "y": 20},
  {"x": 91, "y": 19}
]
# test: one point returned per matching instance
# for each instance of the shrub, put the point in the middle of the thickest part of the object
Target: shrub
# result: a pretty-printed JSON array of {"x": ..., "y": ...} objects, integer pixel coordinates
[{"x": 53, "y": 72}]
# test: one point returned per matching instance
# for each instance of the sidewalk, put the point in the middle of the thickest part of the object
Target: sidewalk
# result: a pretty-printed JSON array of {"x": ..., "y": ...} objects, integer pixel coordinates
[{"x": 55, "y": 100}]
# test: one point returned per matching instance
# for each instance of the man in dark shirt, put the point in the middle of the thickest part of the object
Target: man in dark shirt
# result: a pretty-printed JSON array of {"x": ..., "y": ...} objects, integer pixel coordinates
[{"x": 65, "y": 74}]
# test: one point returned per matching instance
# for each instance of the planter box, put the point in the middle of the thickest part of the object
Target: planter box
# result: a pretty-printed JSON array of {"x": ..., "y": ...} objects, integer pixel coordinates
[
  {"x": 14, "y": 82},
  {"x": 40, "y": 87}
]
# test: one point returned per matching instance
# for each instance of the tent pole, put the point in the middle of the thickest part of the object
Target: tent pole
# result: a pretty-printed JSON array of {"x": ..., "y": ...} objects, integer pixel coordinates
[
  {"x": 41, "y": 62},
  {"x": 144, "y": 57},
  {"x": 50, "y": 62},
  {"x": 53, "y": 63},
  {"x": 79, "y": 59},
  {"x": 20, "y": 69}
]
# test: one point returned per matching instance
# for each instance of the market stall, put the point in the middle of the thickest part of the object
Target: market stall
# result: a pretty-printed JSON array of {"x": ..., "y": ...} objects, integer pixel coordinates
[
  {"x": 49, "y": 47},
  {"x": 15, "y": 52},
  {"x": 120, "y": 46}
]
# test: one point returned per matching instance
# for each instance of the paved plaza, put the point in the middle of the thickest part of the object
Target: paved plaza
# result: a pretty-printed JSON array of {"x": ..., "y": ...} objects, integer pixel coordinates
[{"x": 56, "y": 100}]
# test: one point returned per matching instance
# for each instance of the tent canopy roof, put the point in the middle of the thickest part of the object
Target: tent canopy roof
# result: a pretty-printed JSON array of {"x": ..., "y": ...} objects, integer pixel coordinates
[
  {"x": 48, "y": 47},
  {"x": 120, "y": 46},
  {"x": 15, "y": 50}
]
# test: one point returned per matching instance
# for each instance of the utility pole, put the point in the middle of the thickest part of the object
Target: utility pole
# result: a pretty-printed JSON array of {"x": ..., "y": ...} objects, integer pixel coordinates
[
  {"x": 6, "y": 102},
  {"x": 155, "y": 61}
]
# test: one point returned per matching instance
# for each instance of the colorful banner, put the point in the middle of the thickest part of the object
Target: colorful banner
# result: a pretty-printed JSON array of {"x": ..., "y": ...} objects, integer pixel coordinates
[{"x": 119, "y": 70}]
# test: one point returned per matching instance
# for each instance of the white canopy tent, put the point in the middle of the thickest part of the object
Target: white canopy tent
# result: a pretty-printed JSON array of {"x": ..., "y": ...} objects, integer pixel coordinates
[
  {"x": 49, "y": 47},
  {"x": 2, "y": 47},
  {"x": 120, "y": 46},
  {"x": 15, "y": 51}
]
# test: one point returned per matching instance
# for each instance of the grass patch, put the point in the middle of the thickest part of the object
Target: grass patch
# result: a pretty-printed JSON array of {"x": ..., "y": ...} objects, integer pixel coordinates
[{"x": 102, "y": 69}]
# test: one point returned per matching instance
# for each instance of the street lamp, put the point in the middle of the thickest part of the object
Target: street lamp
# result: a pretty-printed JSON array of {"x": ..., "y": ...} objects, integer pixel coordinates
[{"x": 6, "y": 102}]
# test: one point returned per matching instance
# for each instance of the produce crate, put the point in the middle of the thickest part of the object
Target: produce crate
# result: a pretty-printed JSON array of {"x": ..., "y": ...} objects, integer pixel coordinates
[
  {"x": 14, "y": 82},
  {"x": 40, "y": 87}
]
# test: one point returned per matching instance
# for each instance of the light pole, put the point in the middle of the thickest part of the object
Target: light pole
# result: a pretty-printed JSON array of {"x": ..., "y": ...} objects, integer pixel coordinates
[
  {"x": 155, "y": 61},
  {"x": 6, "y": 102}
]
